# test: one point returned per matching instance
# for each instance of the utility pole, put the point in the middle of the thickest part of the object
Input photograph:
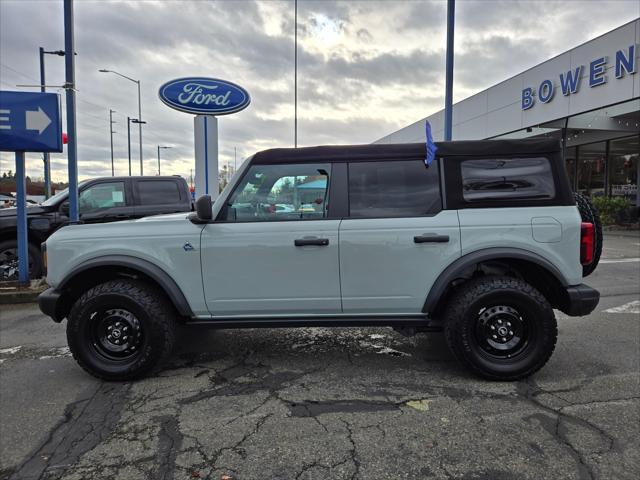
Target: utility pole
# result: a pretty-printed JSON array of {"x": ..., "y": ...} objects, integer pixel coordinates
[{"x": 111, "y": 132}]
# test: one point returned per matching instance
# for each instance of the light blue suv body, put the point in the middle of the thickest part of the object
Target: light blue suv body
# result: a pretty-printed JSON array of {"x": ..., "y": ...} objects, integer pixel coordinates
[{"x": 361, "y": 235}]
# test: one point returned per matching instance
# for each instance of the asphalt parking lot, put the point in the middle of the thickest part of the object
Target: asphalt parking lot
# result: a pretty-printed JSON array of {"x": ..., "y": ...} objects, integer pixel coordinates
[{"x": 319, "y": 403}]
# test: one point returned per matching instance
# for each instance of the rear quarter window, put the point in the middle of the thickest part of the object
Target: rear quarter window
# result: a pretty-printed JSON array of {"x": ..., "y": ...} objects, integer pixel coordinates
[{"x": 507, "y": 179}]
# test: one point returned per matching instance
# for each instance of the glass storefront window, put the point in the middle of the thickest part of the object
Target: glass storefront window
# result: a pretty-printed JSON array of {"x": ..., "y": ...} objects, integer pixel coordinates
[
  {"x": 591, "y": 168},
  {"x": 623, "y": 167}
]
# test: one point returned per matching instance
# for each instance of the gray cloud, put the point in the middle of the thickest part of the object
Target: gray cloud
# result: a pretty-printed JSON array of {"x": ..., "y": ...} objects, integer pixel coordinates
[{"x": 385, "y": 71}]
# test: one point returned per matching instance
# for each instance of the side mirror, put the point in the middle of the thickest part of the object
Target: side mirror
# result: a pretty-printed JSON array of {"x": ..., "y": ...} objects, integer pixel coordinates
[
  {"x": 204, "y": 209},
  {"x": 64, "y": 208}
]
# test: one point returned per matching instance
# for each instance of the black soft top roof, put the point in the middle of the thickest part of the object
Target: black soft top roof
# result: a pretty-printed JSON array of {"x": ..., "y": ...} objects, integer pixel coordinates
[{"x": 407, "y": 150}]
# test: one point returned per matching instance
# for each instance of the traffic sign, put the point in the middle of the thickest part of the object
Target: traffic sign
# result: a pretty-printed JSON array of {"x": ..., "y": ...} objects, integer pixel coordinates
[{"x": 30, "y": 122}]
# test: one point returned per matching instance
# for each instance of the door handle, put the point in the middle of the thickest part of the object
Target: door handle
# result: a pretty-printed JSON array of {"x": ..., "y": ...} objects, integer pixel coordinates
[
  {"x": 121, "y": 215},
  {"x": 302, "y": 242},
  {"x": 431, "y": 238}
]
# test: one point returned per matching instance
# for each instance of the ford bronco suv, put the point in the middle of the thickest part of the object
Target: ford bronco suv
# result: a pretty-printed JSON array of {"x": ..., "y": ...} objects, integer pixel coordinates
[{"x": 484, "y": 244}]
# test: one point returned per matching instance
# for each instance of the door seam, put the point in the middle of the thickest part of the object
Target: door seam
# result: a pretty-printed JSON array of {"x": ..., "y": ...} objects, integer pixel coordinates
[{"x": 340, "y": 266}]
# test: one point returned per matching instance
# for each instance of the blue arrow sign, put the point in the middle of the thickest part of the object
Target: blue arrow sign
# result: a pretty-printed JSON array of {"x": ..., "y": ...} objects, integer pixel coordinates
[{"x": 30, "y": 122}]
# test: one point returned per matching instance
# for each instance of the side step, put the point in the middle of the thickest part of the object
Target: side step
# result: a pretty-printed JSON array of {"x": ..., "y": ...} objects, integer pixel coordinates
[{"x": 418, "y": 322}]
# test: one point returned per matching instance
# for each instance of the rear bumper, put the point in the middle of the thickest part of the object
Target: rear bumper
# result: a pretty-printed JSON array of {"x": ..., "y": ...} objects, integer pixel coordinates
[
  {"x": 580, "y": 300},
  {"x": 49, "y": 303}
]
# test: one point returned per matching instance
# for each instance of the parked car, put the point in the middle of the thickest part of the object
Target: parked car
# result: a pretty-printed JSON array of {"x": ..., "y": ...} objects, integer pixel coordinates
[
  {"x": 483, "y": 244},
  {"x": 101, "y": 200}
]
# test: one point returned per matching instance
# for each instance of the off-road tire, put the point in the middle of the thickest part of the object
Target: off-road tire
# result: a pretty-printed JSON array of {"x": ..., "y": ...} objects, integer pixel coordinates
[
  {"x": 35, "y": 258},
  {"x": 475, "y": 299},
  {"x": 589, "y": 213},
  {"x": 153, "y": 313}
]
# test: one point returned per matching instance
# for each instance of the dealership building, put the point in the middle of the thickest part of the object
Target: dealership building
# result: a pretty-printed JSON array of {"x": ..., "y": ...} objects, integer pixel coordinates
[{"x": 588, "y": 98}]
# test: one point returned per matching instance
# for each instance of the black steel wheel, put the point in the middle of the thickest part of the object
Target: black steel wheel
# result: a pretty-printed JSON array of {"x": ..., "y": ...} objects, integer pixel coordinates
[
  {"x": 500, "y": 327},
  {"x": 9, "y": 261},
  {"x": 589, "y": 213},
  {"x": 121, "y": 329}
]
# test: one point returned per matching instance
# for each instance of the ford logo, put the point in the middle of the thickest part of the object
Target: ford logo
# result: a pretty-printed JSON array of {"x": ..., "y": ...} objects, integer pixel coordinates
[{"x": 201, "y": 95}]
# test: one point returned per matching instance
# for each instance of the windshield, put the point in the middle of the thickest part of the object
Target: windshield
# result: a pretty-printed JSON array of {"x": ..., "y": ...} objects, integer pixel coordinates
[{"x": 60, "y": 195}]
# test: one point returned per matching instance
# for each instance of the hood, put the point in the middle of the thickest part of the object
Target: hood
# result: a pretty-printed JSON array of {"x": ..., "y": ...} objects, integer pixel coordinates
[{"x": 31, "y": 210}]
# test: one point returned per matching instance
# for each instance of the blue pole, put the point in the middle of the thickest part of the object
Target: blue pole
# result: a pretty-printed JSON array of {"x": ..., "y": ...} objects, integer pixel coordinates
[
  {"x": 70, "y": 85},
  {"x": 21, "y": 220},
  {"x": 206, "y": 157},
  {"x": 448, "y": 95}
]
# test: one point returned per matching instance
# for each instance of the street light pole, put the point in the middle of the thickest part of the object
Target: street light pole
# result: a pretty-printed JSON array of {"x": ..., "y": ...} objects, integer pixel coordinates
[
  {"x": 159, "y": 147},
  {"x": 46, "y": 156},
  {"x": 111, "y": 132},
  {"x": 140, "y": 122},
  {"x": 129, "y": 141}
]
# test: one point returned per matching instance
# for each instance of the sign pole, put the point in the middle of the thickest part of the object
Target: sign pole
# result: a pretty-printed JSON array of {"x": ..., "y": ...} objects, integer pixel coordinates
[
  {"x": 70, "y": 85},
  {"x": 206, "y": 152},
  {"x": 21, "y": 220}
]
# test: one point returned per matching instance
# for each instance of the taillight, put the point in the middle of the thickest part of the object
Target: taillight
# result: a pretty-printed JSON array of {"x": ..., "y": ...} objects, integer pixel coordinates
[{"x": 586, "y": 243}]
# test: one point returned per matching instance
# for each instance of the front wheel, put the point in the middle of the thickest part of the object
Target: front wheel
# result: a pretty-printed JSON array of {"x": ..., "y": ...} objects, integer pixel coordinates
[
  {"x": 500, "y": 327},
  {"x": 9, "y": 261},
  {"x": 120, "y": 329}
]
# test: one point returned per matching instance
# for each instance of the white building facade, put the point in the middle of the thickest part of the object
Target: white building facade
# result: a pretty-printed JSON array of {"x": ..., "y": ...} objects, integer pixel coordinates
[{"x": 587, "y": 97}]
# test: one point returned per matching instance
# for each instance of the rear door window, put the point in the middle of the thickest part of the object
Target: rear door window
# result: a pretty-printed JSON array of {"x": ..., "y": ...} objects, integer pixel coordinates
[
  {"x": 507, "y": 179},
  {"x": 158, "y": 192},
  {"x": 394, "y": 188}
]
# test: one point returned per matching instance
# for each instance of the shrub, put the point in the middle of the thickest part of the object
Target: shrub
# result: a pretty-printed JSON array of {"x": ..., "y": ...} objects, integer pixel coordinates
[{"x": 612, "y": 209}]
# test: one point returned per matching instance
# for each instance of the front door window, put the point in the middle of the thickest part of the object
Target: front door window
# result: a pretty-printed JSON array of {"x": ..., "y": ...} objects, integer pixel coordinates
[
  {"x": 101, "y": 196},
  {"x": 280, "y": 192}
]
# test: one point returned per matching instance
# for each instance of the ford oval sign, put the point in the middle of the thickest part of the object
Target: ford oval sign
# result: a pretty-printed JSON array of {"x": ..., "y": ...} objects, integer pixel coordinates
[{"x": 200, "y": 95}]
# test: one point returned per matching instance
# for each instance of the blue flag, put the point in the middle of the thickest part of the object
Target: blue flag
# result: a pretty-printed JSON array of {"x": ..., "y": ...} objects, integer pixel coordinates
[{"x": 431, "y": 146}]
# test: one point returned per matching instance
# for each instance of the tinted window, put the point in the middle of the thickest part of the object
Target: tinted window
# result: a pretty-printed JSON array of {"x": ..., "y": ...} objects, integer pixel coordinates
[
  {"x": 158, "y": 192},
  {"x": 393, "y": 189},
  {"x": 102, "y": 195},
  {"x": 280, "y": 192},
  {"x": 507, "y": 178}
]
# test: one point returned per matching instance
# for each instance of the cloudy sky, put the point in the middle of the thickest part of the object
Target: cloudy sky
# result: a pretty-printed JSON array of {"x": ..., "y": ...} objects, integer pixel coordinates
[{"x": 366, "y": 68}]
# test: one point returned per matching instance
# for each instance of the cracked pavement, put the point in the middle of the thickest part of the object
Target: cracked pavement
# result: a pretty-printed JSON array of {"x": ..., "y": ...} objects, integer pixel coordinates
[{"x": 320, "y": 403}]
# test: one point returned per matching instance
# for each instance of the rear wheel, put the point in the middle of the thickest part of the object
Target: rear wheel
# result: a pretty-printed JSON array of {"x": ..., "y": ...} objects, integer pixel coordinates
[
  {"x": 121, "y": 329},
  {"x": 589, "y": 213},
  {"x": 500, "y": 327},
  {"x": 9, "y": 261}
]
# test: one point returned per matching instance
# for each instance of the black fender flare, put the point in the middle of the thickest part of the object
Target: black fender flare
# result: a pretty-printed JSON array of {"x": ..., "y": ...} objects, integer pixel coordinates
[
  {"x": 497, "y": 253},
  {"x": 157, "y": 274}
]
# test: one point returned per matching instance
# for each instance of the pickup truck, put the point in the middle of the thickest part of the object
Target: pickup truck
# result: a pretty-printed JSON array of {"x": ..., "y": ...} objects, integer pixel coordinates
[{"x": 101, "y": 200}]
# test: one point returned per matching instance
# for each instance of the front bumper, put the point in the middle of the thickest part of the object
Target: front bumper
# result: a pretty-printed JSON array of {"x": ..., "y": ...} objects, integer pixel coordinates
[
  {"x": 50, "y": 304},
  {"x": 580, "y": 300}
]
